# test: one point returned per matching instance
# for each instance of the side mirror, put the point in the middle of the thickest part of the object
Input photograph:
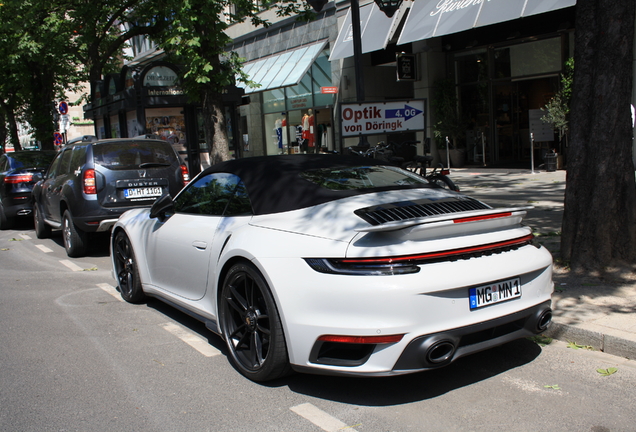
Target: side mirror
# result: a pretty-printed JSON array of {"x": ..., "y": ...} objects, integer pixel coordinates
[{"x": 161, "y": 206}]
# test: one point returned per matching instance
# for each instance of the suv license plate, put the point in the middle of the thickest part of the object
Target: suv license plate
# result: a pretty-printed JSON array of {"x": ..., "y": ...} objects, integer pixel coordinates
[
  {"x": 494, "y": 293},
  {"x": 142, "y": 192}
]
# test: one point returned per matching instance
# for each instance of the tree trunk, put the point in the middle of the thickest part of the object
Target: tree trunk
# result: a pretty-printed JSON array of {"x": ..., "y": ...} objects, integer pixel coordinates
[
  {"x": 9, "y": 119},
  {"x": 215, "y": 126},
  {"x": 42, "y": 106},
  {"x": 599, "y": 221}
]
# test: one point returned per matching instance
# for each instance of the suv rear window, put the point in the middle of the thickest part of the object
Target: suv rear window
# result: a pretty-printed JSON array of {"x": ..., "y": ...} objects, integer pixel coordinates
[{"x": 126, "y": 155}]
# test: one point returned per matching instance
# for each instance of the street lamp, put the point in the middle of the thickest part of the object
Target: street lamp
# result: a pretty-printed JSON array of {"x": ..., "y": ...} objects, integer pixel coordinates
[{"x": 389, "y": 7}]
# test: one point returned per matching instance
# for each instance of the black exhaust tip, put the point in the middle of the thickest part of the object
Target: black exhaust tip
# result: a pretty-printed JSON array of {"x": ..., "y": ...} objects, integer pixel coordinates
[
  {"x": 544, "y": 320},
  {"x": 440, "y": 352}
]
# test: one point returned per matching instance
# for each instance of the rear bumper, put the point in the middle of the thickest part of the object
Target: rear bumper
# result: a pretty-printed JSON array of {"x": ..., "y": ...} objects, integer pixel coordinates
[
  {"x": 440, "y": 349},
  {"x": 18, "y": 205},
  {"x": 437, "y": 350}
]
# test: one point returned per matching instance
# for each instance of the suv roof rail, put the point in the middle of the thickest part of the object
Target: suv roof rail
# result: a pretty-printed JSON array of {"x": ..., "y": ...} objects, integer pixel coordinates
[
  {"x": 83, "y": 138},
  {"x": 148, "y": 136}
]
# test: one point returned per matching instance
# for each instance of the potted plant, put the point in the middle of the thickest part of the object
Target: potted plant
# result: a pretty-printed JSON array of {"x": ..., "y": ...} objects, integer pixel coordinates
[
  {"x": 449, "y": 124},
  {"x": 558, "y": 108}
]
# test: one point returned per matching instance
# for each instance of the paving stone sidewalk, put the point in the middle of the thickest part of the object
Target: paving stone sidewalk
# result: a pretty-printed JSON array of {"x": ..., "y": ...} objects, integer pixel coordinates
[{"x": 588, "y": 311}]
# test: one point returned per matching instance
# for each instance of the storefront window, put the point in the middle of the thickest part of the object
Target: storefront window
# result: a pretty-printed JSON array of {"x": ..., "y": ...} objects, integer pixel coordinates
[
  {"x": 291, "y": 122},
  {"x": 99, "y": 126},
  {"x": 115, "y": 130},
  {"x": 169, "y": 125},
  {"x": 132, "y": 124},
  {"x": 472, "y": 66},
  {"x": 274, "y": 101},
  {"x": 533, "y": 58}
]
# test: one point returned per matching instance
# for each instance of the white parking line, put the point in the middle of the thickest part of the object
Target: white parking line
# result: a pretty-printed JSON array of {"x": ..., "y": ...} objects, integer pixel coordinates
[
  {"x": 194, "y": 340},
  {"x": 71, "y": 265},
  {"x": 25, "y": 236},
  {"x": 320, "y": 418},
  {"x": 110, "y": 290},
  {"x": 43, "y": 248}
]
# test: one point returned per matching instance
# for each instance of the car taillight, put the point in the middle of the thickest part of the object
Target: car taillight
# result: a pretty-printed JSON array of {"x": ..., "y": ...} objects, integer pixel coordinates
[
  {"x": 389, "y": 339},
  {"x": 18, "y": 178},
  {"x": 90, "y": 187},
  {"x": 185, "y": 175}
]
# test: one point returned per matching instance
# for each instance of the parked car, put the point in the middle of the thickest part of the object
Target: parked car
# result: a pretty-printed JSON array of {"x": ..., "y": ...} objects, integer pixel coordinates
[
  {"x": 19, "y": 171},
  {"x": 91, "y": 183},
  {"x": 336, "y": 265}
]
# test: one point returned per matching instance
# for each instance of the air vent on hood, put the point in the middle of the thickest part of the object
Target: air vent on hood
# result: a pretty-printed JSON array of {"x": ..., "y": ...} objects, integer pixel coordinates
[{"x": 405, "y": 210}]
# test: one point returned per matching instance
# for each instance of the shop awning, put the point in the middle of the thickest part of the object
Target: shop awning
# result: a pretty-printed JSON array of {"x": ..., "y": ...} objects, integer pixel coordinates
[
  {"x": 375, "y": 27},
  {"x": 429, "y": 18},
  {"x": 283, "y": 69}
]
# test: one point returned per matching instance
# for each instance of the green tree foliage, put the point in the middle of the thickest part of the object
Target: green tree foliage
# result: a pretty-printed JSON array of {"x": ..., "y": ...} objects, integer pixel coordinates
[{"x": 196, "y": 39}]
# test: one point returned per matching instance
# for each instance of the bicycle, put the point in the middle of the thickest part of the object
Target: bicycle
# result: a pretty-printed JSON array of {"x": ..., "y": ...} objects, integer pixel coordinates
[
  {"x": 418, "y": 164},
  {"x": 404, "y": 156}
]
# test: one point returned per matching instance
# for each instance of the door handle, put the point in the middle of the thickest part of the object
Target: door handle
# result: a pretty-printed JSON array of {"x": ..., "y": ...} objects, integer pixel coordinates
[{"x": 201, "y": 245}]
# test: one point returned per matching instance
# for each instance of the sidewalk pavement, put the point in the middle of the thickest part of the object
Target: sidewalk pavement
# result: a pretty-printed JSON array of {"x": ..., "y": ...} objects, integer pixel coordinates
[{"x": 588, "y": 311}]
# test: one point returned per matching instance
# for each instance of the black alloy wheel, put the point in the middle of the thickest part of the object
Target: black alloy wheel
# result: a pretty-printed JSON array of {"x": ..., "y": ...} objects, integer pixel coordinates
[
  {"x": 75, "y": 240},
  {"x": 42, "y": 230},
  {"x": 128, "y": 282},
  {"x": 251, "y": 326}
]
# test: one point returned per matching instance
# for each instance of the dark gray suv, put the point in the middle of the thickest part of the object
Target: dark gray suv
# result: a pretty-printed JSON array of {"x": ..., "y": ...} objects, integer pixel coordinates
[{"x": 90, "y": 184}]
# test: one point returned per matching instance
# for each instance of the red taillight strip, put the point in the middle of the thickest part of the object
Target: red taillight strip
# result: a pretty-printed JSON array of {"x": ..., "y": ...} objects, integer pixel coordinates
[
  {"x": 18, "y": 178},
  {"x": 441, "y": 254},
  {"x": 482, "y": 217},
  {"x": 362, "y": 339}
]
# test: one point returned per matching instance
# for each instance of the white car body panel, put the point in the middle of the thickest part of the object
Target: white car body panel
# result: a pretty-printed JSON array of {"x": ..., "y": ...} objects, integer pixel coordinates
[{"x": 186, "y": 256}]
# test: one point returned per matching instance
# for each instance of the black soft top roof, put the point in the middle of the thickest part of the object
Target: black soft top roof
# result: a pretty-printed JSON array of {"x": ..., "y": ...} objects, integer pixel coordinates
[{"x": 274, "y": 183}]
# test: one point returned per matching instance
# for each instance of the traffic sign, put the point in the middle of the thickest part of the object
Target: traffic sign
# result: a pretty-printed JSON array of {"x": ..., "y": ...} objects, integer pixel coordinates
[
  {"x": 63, "y": 108},
  {"x": 59, "y": 139}
]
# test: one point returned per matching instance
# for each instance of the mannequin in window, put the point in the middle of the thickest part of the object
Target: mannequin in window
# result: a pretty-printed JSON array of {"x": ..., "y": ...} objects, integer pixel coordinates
[
  {"x": 308, "y": 130},
  {"x": 278, "y": 128}
]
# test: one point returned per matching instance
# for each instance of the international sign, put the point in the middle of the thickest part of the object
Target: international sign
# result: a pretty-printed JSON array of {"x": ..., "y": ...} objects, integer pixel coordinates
[{"x": 382, "y": 117}]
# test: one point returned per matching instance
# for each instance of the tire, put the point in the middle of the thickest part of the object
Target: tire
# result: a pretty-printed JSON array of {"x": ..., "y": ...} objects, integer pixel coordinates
[
  {"x": 6, "y": 222},
  {"x": 75, "y": 240},
  {"x": 443, "y": 181},
  {"x": 251, "y": 325},
  {"x": 42, "y": 230},
  {"x": 126, "y": 269}
]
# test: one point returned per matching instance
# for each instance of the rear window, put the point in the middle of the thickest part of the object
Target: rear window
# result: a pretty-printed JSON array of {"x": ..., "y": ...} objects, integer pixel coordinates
[
  {"x": 127, "y": 155},
  {"x": 364, "y": 177},
  {"x": 31, "y": 160}
]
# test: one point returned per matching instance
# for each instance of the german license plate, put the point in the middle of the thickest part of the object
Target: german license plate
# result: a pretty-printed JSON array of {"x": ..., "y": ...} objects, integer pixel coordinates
[
  {"x": 147, "y": 192},
  {"x": 494, "y": 293}
]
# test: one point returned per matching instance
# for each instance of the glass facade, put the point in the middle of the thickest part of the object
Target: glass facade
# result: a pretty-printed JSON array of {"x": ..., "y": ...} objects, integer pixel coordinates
[
  {"x": 497, "y": 88},
  {"x": 297, "y": 119}
]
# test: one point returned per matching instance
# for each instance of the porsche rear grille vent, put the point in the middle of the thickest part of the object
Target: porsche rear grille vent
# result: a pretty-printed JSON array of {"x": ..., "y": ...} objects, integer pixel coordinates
[{"x": 406, "y": 210}]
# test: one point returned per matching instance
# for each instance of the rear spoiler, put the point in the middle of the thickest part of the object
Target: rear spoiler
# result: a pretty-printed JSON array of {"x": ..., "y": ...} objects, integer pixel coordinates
[{"x": 429, "y": 222}]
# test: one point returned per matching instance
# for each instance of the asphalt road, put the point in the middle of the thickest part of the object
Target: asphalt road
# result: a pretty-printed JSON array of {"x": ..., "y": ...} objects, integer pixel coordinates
[{"x": 74, "y": 357}]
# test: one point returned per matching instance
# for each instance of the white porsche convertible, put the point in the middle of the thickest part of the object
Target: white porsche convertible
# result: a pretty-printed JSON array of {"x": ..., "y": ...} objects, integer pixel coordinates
[{"x": 336, "y": 265}]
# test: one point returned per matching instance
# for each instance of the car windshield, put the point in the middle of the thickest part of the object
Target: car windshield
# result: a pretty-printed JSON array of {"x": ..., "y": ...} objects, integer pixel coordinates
[
  {"x": 126, "y": 155},
  {"x": 363, "y": 177},
  {"x": 34, "y": 159}
]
